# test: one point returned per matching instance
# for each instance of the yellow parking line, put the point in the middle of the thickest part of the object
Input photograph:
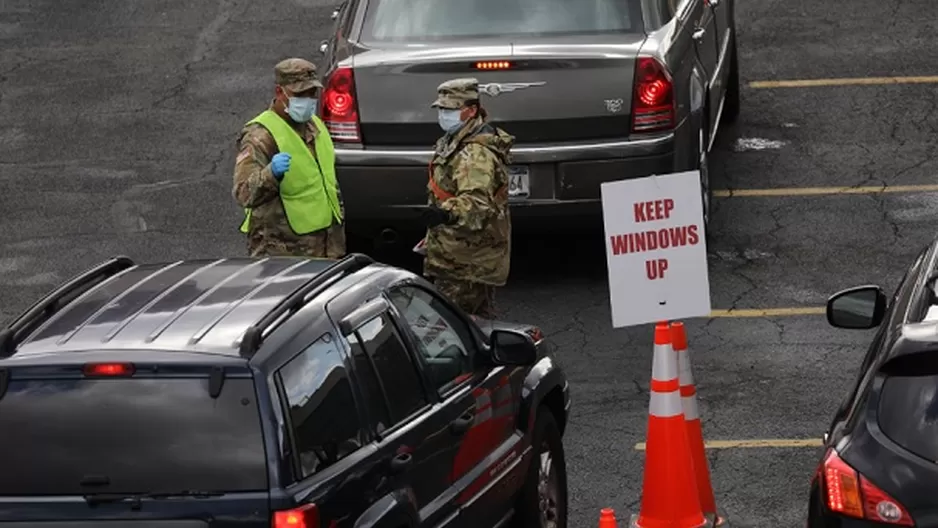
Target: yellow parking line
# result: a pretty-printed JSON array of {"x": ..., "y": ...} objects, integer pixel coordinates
[
  {"x": 820, "y": 191},
  {"x": 772, "y": 443},
  {"x": 769, "y": 312},
  {"x": 807, "y": 83}
]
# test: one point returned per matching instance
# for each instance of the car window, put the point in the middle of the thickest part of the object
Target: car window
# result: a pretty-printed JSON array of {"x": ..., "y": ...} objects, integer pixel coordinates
[
  {"x": 442, "y": 338},
  {"x": 377, "y": 405},
  {"x": 396, "y": 370},
  {"x": 908, "y": 413},
  {"x": 323, "y": 417},
  {"x": 140, "y": 434},
  {"x": 411, "y": 20}
]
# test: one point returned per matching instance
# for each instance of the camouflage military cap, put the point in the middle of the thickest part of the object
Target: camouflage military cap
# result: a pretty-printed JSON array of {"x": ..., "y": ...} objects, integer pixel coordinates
[
  {"x": 455, "y": 93},
  {"x": 296, "y": 75}
]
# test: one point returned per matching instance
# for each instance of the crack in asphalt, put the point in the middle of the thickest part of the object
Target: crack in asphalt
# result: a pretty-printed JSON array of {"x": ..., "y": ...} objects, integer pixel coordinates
[
  {"x": 205, "y": 47},
  {"x": 129, "y": 211},
  {"x": 4, "y": 76}
]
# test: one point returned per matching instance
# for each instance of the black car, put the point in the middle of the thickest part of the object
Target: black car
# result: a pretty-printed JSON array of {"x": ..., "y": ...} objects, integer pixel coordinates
[
  {"x": 880, "y": 466},
  {"x": 275, "y": 392}
]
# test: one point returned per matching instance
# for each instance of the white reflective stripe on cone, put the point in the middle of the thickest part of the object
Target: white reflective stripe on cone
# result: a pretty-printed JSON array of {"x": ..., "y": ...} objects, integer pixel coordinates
[
  {"x": 665, "y": 404},
  {"x": 664, "y": 364},
  {"x": 683, "y": 365},
  {"x": 689, "y": 404}
]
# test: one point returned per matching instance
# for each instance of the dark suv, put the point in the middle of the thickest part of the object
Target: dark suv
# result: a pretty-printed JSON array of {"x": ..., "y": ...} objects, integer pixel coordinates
[
  {"x": 279, "y": 392},
  {"x": 880, "y": 464}
]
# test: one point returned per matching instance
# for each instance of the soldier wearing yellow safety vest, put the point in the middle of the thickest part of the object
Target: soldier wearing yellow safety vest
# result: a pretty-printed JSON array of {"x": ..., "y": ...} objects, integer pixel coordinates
[{"x": 284, "y": 175}]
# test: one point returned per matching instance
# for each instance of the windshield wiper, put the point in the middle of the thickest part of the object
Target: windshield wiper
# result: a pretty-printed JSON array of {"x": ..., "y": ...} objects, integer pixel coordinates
[{"x": 102, "y": 498}]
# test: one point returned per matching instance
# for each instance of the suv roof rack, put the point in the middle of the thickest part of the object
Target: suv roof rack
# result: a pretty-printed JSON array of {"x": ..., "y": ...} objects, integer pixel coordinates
[
  {"x": 253, "y": 335},
  {"x": 52, "y": 303}
]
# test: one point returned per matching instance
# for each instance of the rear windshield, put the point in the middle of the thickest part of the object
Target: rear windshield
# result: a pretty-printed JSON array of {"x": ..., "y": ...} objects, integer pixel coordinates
[
  {"x": 419, "y": 20},
  {"x": 138, "y": 435},
  {"x": 908, "y": 413}
]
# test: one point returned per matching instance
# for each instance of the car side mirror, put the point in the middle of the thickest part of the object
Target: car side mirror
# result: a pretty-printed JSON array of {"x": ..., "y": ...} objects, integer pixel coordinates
[
  {"x": 861, "y": 307},
  {"x": 510, "y": 347}
]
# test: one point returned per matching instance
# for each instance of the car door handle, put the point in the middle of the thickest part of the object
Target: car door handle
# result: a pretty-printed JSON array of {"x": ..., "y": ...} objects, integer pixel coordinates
[
  {"x": 461, "y": 425},
  {"x": 699, "y": 34},
  {"x": 714, "y": 3},
  {"x": 401, "y": 462}
]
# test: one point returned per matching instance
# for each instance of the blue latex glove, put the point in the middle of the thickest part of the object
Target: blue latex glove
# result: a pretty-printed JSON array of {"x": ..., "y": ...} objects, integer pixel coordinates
[{"x": 280, "y": 164}]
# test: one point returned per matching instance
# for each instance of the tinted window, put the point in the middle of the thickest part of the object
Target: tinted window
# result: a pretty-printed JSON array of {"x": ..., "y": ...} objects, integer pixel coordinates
[
  {"x": 323, "y": 415},
  {"x": 370, "y": 386},
  {"x": 908, "y": 413},
  {"x": 442, "y": 338},
  {"x": 142, "y": 434},
  {"x": 415, "y": 20},
  {"x": 394, "y": 366}
]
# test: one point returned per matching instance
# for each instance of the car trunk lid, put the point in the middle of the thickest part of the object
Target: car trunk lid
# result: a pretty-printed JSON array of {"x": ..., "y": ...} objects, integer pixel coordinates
[{"x": 572, "y": 89}]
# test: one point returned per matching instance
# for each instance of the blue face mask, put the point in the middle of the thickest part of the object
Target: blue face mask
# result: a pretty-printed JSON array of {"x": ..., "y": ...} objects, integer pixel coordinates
[
  {"x": 449, "y": 120},
  {"x": 301, "y": 109}
]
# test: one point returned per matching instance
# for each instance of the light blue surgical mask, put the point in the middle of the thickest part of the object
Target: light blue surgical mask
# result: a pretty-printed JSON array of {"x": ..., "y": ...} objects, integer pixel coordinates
[
  {"x": 301, "y": 109},
  {"x": 449, "y": 120}
]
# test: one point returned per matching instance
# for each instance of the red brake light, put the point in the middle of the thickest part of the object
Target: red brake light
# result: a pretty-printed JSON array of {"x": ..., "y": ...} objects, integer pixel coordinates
[
  {"x": 306, "y": 516},
  {"x": 653, "y": 97},
  {"x": 493, "y": 65},
  {"x": 108, "y": 369},
  {"x": 339, "y": 107},
  {"x": 851, "y": 494}
]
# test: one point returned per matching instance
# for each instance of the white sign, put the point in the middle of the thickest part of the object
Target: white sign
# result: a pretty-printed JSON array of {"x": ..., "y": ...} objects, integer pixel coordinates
[{"x": 655, "y": 249}]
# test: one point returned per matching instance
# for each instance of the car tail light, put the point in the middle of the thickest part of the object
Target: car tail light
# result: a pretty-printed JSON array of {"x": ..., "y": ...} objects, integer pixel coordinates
[
  {"x": 306, "y": 516},
  {"x": 108, "y": 369},
  {"x": 340, "y": 107},
  {"x": 850, "y": 493},
  {"x": 653, "y": 97}
]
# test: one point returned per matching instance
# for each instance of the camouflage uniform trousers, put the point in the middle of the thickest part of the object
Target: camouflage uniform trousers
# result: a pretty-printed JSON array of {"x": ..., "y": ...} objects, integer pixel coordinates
[
  {"x": 326, "y": 243},
  {"x": 475, "y": 298}
]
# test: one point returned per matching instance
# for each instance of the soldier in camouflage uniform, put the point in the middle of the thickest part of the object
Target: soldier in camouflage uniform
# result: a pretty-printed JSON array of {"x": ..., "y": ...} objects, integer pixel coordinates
[
  {"x": 468, "y": 242},
  {"x": 262, "y": 171}
]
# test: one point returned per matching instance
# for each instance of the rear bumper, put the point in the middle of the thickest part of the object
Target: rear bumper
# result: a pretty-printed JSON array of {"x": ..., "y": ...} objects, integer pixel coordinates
[{"x": 387, "y": 187}]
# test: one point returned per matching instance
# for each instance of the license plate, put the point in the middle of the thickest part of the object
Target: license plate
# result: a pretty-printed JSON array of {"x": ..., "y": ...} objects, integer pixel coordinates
[{"x": 519, "y": 183}]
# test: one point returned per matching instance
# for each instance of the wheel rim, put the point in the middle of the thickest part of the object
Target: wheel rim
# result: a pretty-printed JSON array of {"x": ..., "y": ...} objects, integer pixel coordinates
[
  {"x": 704, "y": 177},
  {"x": 548, "y": 489}
]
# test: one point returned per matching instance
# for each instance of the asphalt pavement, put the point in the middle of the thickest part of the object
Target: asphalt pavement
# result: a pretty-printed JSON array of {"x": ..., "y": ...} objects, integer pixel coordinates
[{"x": 118, "y": 123}]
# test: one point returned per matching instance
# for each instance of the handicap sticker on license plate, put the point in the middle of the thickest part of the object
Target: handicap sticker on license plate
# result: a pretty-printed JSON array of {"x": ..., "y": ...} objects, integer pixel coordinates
[{"x": 519, "y": 182}]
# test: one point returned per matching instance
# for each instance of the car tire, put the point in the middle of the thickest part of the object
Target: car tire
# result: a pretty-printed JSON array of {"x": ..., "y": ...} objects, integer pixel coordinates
[
  {"x": 731, "y": 101},
  {"x": 542, "y": 502}
]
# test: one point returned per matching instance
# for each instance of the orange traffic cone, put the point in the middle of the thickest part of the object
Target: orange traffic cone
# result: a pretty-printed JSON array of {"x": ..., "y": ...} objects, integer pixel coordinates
[
  {"x": 607, "y": 518},
  {"x": 692, "y": 420},
  {"x": 669, "y": 493}
]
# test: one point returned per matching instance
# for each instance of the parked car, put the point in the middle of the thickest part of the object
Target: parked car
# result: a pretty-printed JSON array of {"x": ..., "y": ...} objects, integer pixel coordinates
[
  {"x": 880, "y": 462},
  {"x": 276, "y": 392},
  {"x": 593, "y": 91}
]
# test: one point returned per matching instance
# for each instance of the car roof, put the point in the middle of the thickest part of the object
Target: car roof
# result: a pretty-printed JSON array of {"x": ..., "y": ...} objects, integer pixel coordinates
[{"x": 187, "y": 305}]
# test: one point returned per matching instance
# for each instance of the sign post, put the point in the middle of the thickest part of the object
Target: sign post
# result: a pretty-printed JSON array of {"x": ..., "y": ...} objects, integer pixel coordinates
[{"x": 656, "y": 253}]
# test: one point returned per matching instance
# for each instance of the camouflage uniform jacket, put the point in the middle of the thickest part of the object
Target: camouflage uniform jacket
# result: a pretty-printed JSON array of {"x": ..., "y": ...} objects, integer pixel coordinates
[
  {"x": 468, "y": 178},
  {"x": 255, "y": 187}
]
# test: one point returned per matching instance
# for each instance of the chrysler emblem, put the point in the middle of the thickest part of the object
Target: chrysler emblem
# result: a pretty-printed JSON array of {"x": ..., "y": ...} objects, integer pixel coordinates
[{"x": 494, "y": 89}]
